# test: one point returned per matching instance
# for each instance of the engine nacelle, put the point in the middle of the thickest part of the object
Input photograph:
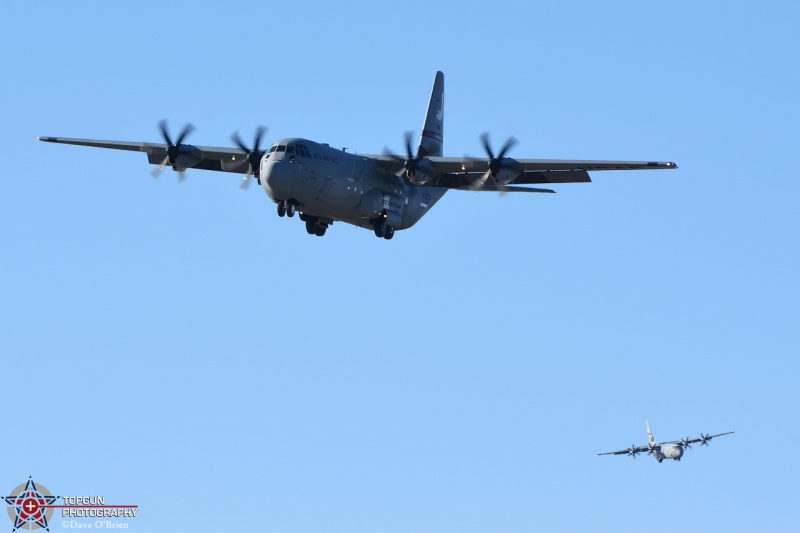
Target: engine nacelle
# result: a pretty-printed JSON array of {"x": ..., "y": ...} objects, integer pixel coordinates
[
  {"x": 422, "y": 172},
  {"x": 505, "y": 175},
  {"x": 184, "y": 160}
]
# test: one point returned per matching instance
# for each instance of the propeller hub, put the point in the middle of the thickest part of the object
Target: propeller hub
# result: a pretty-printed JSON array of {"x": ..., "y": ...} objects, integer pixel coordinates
[
  {"x": 495, "y": 163},
  {"x": 494, "y": 166},
  {"x": 174, "y": 148},
  {"x": 172, "y": 153},
  {"x": 252, "y": 155}
]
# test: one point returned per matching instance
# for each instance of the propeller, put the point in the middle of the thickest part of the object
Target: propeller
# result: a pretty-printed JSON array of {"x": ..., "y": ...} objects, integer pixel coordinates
[
  {"x": 253, "y": 156},
  {"x": 632, "y": 451},
  {"x": 495, "y": 163},
  {"x": 410, "y": 162},
  {"x": 173, "y": 149},
  {"x": 685, "y": 443},
  {"x": 651, "y": 449},
  {"x": 704, "y": 439}
]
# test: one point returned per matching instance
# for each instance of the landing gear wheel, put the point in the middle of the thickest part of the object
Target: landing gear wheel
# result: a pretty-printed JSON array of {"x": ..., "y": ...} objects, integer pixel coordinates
[
  {"x": 389, "y": 233},
  {"x": 281, "y": 208},
  {"x": 311, "y": 226},
  {"x": 380, "y": 231},
  {"x": 290, "y": 208},
  {"x": 319, "y": 231}
]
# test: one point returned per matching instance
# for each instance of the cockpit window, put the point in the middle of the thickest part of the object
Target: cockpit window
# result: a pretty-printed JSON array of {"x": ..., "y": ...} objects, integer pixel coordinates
[
  {"x": 290, "y": 149},
  {"x": 281, "y": 148},
  {"x": 273, "y": 149}
]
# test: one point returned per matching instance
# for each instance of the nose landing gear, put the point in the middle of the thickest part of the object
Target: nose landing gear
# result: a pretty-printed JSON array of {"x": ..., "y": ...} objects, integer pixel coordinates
[
  {"x": 314, "y": 226},
  {"x": 286, "y": 207}
]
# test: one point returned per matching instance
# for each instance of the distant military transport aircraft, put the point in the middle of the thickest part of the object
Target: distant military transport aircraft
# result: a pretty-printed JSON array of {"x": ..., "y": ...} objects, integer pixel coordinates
[
  {"x": 665, "y": 450},
  {"x": 382, "y": 193}
]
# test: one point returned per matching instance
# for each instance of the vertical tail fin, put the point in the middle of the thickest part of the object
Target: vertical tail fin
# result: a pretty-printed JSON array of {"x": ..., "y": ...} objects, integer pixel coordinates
[
  {"x": 430, "y": 142},
  {"x": 650, "y": 438}
]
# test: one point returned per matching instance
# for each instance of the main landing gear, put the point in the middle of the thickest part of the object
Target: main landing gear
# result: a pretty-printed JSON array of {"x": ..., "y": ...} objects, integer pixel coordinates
[
  {"x": 315, "y": 227},
  {"x": 382, "y": 231}
]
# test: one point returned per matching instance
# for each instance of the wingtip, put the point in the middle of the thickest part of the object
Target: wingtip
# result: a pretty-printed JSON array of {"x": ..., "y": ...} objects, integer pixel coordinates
[{"x": 661, "y": 164}]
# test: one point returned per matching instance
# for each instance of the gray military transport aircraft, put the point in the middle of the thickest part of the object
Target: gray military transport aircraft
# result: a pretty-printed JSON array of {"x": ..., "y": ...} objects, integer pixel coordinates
[
  {"x": 382, "y": 193},
  {"x": 665, "y": 450}
]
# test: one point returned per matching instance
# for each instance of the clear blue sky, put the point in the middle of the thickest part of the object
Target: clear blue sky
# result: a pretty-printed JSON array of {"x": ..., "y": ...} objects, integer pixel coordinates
[{"x": 182, "y": 348}]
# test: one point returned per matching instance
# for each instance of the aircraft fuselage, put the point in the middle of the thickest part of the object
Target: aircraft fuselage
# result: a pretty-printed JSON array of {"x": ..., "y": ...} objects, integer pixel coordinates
[
  {"x": 330, "y": 185},
  {"x": 669, "y": 451}
]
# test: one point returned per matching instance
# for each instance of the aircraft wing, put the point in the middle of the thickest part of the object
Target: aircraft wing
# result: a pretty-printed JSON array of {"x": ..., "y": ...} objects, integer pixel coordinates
[
  {"x": 628, "y": 451},
  {"x": 459, "y": 172},
  {"x": 464, "y": 173},
  {"x": 202, "y": 157},
  {"x": 702, "y": 438},
  {"x": 478, "y": 165}
]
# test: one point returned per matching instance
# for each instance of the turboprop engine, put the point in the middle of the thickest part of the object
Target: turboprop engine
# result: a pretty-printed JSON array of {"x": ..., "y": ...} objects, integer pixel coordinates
[{"x": 419, "y": 171}]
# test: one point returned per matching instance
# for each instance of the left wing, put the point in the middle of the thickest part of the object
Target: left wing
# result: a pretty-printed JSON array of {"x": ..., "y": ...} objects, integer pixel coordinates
[
  {"x": 471, "y": 173},
  {"x": 186, "y": 155},
  {"x": 477, "y": 164},
  {"x": 702, "y": 439},
  {"x": 460, "y": 173}
]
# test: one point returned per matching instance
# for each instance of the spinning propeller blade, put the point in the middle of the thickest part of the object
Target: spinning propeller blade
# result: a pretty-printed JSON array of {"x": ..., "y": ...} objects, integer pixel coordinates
[
  {"x": 253, "y": 155},
  {"x": 173, "y": 149},
  {"x": 495, "y": 163}
]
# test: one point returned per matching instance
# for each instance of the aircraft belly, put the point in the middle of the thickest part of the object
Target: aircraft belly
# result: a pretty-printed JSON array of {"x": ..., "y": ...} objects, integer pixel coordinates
[
  {"x": 420, "y": 201},
  {"x": 352, "y": 193},
  {"x": 673, "y": 452},
  {"x": 328, "y": 197}
]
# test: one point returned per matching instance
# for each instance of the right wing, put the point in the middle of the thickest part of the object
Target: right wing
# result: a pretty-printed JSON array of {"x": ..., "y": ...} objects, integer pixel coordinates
[
  {"x": 202, "y": 157},
  {"x": 628, "y": 451}
]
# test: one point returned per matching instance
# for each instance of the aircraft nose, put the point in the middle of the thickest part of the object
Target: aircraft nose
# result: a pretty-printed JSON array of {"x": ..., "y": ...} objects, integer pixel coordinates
[{"x": 277, "y": 180}]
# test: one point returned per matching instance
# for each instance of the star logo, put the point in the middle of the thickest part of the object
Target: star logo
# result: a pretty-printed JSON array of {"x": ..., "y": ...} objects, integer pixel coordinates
[{"x": 29, "y": 506}]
